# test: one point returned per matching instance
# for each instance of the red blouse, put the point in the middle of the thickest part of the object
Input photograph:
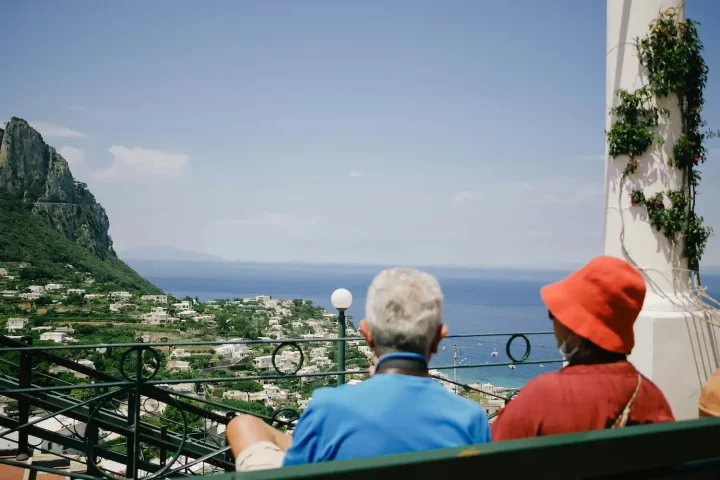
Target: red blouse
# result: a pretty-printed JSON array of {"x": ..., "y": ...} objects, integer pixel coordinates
[{"x": 580, "y": 398}]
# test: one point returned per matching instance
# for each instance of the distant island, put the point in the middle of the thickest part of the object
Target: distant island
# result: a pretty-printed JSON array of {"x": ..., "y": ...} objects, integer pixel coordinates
[{"x": 168, "y": 253}]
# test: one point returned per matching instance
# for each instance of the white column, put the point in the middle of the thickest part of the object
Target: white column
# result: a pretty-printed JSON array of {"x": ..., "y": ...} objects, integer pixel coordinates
[{"x": 674, "y": 344}]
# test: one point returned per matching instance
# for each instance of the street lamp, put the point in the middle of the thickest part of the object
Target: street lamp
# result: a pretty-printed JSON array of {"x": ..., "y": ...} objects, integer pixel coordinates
[{"x": 341, "y": 300}]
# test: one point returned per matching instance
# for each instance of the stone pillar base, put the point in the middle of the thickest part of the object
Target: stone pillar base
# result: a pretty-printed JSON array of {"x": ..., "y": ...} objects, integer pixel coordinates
[{"x": 678, "y": 348}]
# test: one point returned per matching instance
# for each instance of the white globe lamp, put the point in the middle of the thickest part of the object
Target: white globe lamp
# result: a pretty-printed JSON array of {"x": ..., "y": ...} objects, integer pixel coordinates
[{"x": 341, "y": 299}]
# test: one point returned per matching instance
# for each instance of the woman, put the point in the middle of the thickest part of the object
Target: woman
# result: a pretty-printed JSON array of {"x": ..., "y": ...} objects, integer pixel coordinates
[{"x": 593, "y": 311}]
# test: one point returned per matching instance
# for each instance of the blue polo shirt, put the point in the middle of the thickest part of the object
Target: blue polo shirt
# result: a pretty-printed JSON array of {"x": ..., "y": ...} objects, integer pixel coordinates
[{"x": 386, "y": 414}]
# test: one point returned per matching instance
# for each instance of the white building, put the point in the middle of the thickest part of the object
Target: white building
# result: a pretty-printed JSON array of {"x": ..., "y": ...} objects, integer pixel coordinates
[
  {"x": 180, "y": 353},
  {"x": 154, "y": 298},
  {"x": 306, "y": 370},
  {"x": 179, "y": 365},
  {"x": 322, "y": 361},
  {"x": 17, "y": 323},
  {"x": 237, "y": 395},
  {"x": 292, "y": 355},
  {"x": 273, "y": 392},
  {"x": 3, "y": 272},
  {"x": 183, "y": 306},
  {"x": 93, "y": 296},
  {"x": 86, "y": 363},
  {"x": 57, "y": 337},
  {"x": 120, "y": 307},
  {"x": 9, "y": 293},
  {"x": 261, "y": 298},
  {"x": 51, "y": 287},
  {"x": 180, "y": 387},
  {"x": 76, "y": 291},
  {"x": 58, "y": 369},
  {"x": 263, "y": 363},
  {"x": 36, "y": 289},
  {"x": 367, "y": 351},
  {"x": 319, "y": 352},
  {"x": 257, "y": 396},
  {"x": 121, "y": 295},
  {"x": 236, "y": 351},
  {"x": 157, "y": 318},
  {"x": 311, "y": 336},
  {"x": 30, "y": 296}
]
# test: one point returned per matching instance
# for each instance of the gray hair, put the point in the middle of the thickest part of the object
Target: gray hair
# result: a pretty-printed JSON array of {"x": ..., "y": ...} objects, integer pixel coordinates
[{"x": 403, "y": 310}]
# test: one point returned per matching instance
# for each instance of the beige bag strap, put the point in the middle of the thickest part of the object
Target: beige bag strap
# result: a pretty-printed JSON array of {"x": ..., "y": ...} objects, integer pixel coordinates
[{"x": 623, "y": 418}]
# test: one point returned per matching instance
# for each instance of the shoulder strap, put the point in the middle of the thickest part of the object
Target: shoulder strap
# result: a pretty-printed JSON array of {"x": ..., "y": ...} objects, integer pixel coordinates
[{"x": 623, "y": 418}]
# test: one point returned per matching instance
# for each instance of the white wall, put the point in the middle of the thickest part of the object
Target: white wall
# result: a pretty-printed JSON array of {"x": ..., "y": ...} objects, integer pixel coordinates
[{"x": 676, "y": 346}]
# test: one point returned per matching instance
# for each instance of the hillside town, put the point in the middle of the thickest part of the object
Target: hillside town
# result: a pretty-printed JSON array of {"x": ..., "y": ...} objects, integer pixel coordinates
[{"x": 244, "y": 334}]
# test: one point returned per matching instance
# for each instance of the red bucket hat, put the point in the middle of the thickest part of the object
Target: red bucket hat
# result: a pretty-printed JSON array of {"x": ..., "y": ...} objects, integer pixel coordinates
[{"x": 599, "y": 302}]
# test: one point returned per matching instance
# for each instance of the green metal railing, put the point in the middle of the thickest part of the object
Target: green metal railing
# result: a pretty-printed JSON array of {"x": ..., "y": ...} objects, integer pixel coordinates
[{"x": 152, "y": 445}]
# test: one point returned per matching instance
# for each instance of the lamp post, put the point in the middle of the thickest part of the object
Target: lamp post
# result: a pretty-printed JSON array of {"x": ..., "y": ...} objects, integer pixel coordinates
[{"x": 341, "y": 300}]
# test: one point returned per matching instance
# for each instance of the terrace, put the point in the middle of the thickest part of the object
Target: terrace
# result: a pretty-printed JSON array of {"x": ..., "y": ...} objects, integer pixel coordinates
[{"x": 118, "y": 426}]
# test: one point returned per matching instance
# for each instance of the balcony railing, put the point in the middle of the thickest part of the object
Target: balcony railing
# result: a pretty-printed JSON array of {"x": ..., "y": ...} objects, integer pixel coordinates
[{"x": 131, "y": 417}]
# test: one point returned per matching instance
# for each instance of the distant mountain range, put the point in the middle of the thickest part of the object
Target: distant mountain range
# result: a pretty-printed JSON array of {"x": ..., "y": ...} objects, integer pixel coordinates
[{"x": 167, "y": 253}]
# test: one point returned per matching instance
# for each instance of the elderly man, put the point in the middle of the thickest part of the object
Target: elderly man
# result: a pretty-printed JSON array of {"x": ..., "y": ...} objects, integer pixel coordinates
[{"x": 399, "y": 409}]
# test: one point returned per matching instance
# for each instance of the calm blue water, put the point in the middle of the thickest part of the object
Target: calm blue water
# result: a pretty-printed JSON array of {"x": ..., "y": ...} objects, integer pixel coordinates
[{"x": 476, "y": 301}]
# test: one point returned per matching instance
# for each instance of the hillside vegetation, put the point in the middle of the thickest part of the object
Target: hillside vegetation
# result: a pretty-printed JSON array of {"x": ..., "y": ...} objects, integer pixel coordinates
[{"x": 25, "y": 237}]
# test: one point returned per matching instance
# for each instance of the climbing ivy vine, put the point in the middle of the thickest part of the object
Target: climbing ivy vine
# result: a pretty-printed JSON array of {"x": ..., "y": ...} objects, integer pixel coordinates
[{"x": 671, "y": 53}]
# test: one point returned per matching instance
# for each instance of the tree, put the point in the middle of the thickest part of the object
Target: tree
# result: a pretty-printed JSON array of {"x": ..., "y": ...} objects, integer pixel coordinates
[
  {"x": 172, "y": 418},
  {"x": 75, "y": 299},
  {"x": 43, "y": 301},
  {"x": 256, "y": 408},
  {"x": 248, "y": 386}
]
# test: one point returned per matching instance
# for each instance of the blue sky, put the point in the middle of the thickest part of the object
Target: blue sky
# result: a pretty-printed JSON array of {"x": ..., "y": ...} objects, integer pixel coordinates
[{"x": 400, "y": 131}]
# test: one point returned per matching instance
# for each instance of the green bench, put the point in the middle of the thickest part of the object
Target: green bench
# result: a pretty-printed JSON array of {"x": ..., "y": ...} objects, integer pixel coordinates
[{"x": 688, "y": 449}]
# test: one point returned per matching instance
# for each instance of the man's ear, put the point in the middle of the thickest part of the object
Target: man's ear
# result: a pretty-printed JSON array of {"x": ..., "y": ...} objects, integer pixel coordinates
[
  {"x": 365, "y": 332},
  {"x": 441, "y": 333}
]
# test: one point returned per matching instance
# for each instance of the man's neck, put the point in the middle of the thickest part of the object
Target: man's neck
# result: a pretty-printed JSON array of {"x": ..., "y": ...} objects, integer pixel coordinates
[{"x": 403, "y": 363}]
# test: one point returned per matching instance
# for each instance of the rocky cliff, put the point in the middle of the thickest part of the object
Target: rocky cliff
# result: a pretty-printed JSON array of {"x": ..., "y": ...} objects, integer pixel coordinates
[{"x": 33, "y": 173}]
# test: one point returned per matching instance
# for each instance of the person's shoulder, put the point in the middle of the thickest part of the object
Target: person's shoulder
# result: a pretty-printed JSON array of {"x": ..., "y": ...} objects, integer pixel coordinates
[
  {"x": 545, "y": 384},
  {"x": 341, "y": 393},
  {"x": 549, "y": 379}
]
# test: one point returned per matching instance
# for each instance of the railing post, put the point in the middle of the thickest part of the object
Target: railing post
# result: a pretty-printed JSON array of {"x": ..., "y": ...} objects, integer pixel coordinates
[
  {"x": 133, "y": 439},
  {"x": 228, "y": 454},
  {"x": 340, "y": 357},
  {"x": 163, "y": 450},
  {"x": 24, "y": 381},
  {"x": 92, "y": 434}
]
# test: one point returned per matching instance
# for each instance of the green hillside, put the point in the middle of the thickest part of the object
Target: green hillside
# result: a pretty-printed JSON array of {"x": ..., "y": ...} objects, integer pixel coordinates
[{"x": 25, "y": 237}]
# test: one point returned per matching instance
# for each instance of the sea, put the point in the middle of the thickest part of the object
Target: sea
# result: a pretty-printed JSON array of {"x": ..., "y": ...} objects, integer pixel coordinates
[{"x": 483, "y": 307}]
